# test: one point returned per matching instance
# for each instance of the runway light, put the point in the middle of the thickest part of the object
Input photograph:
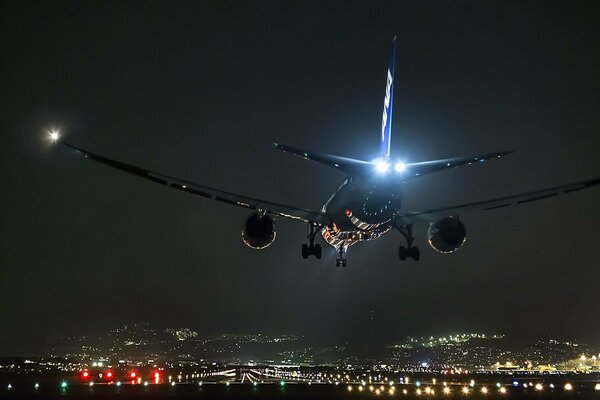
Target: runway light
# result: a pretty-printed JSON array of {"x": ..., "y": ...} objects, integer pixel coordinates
[
  {"x": 503, "y": 390},
  {"x": 539, "y": 386},
  {"x": 360, "y": 388},
  {"x": 36, "y": 386},
  {"x": 145, "y": 383},
  {"x": 381, "y": 165},
  {"x": 92, "y": 383},
  {"x": 404, "y": 391},
  {"x": 118, "y": 384},
  {"x": 9, "y": 386},
  {"x": 63, "y": 384},
  {"x": 54, "y": 136},
  {"x": 597, "y": 387},
  {"x": 173, "y": 383},
  {"x": 132, "y": 375},
  {"x": 282, "y": 383},
  {"x": 400, "y": 167},
  {"x": 349, "y": 388},
  {"x": 446, "y": 390},
  {"x": 465, "y": 390},
  {"x": 254, "y": 383},
  {"x": 484, "y": 390}
]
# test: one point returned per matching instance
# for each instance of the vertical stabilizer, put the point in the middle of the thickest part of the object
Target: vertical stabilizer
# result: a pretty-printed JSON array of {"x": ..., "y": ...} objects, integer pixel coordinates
[{"x": 386, "y": 123}]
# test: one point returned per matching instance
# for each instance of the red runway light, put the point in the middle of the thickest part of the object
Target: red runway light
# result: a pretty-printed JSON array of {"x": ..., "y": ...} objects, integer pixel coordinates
[{"x": 132, "y": 374}]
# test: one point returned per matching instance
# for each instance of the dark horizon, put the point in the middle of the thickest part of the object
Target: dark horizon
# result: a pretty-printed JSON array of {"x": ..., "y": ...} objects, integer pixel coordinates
[{"x": 201, "y": 90}]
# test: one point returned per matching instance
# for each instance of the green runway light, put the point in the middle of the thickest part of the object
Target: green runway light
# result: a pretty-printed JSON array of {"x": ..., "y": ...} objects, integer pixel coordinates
[
  {"x": 63, "y": 385},
  {"x": 282, "y": 383}
]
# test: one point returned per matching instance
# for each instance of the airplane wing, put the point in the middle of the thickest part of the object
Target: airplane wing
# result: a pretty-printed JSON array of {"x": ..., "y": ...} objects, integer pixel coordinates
[
  {"x": 299, "y": 214},
  {"x": 435, "y": 214}
]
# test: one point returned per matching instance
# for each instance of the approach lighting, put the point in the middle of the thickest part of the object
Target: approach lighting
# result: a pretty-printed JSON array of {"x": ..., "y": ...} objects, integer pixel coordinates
[
  {"x": 400, "y": 167},
  {"x": 381, "y": 165}
]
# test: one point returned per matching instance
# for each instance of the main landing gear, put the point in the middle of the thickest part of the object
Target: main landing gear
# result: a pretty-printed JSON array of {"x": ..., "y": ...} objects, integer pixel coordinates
[
  {"x": 341, "y": 261},
  {"x": 312, "y": 249},
  {"x": 409, "y": 251}
]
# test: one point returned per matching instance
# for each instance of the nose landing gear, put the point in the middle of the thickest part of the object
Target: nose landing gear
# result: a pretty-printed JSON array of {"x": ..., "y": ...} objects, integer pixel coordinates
[
  {"x": 409, "y": 251},
  {"x": 341, "y": 261},
  {"x": 312, "y": 249}
]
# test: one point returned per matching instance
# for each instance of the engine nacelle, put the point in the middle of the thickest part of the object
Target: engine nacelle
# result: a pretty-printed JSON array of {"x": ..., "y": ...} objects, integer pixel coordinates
[
  {"x": 258, "y": 231},
  {"x": 447, "y": 234}
]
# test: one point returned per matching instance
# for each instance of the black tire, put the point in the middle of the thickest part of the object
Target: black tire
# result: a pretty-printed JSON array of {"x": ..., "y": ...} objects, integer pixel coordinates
[
  {"x": 304, "y": 251},
  {"x": 402, "y": 253},
  {"x": 318, "y": 251},
  {"x": 415, "y": 253}
]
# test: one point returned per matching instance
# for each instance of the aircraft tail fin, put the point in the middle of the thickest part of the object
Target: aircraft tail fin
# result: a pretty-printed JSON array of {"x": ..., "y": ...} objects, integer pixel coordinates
[{"x": 386, "y": 121}]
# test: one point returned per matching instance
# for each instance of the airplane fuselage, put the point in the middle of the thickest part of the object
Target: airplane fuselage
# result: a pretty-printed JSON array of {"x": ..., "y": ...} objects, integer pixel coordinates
[{"x": 361, "y": 209}]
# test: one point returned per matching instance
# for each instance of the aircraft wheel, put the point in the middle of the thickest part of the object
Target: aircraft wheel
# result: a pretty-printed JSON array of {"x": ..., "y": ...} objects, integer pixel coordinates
[
  {"x": 304, "y": 251},
  {"x": 318, "y": 251},
  {"x": 402, "y": 253},
  {"x": 415, "y": 253}
]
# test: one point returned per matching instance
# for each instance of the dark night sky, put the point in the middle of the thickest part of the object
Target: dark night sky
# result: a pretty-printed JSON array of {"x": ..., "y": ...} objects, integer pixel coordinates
[{"x": 200, "y": 90}]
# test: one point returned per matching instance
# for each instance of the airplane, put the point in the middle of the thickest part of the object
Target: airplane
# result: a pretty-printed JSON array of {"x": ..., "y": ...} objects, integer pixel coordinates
[{"x": 365, "y": 206}]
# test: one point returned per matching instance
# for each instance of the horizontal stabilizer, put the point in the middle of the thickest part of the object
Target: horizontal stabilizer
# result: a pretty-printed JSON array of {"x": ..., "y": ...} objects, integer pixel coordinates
[
  {"x": 427, "y": 167},
  {"x": 351, "y": 166}
]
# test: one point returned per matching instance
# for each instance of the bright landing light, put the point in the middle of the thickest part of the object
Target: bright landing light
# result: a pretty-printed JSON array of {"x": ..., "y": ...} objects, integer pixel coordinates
[
  {"x": 381, "y": 166},
  {"x": 400, "y": 166},
  {"x": 54, "y": 136}
]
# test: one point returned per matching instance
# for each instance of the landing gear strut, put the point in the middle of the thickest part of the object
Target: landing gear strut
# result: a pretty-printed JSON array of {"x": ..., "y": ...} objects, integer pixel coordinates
[
  {"x": 341, "y": 261},
  {"x": 409, "y": 251},
  {"x": 312, "y": 249}
]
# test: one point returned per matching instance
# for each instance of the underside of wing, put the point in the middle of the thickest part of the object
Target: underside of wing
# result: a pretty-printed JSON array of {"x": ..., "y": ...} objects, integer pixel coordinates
[
  {"x": 435, "y": 214},
  {"x": 300, "y": 214}
]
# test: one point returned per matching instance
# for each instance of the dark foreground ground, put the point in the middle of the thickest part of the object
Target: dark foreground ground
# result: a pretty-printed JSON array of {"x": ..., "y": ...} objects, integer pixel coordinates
[{"x": 289, "y": 391}]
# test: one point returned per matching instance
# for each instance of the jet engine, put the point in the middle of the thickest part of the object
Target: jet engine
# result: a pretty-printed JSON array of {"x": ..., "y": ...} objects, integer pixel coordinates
[
  {"x": 447, "y": 234},
  {"x": 258, "y": 231}
]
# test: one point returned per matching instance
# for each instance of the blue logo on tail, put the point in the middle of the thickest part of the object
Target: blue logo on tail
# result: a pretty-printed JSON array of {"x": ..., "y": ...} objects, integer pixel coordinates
[{"x": 386, "y": 123}]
